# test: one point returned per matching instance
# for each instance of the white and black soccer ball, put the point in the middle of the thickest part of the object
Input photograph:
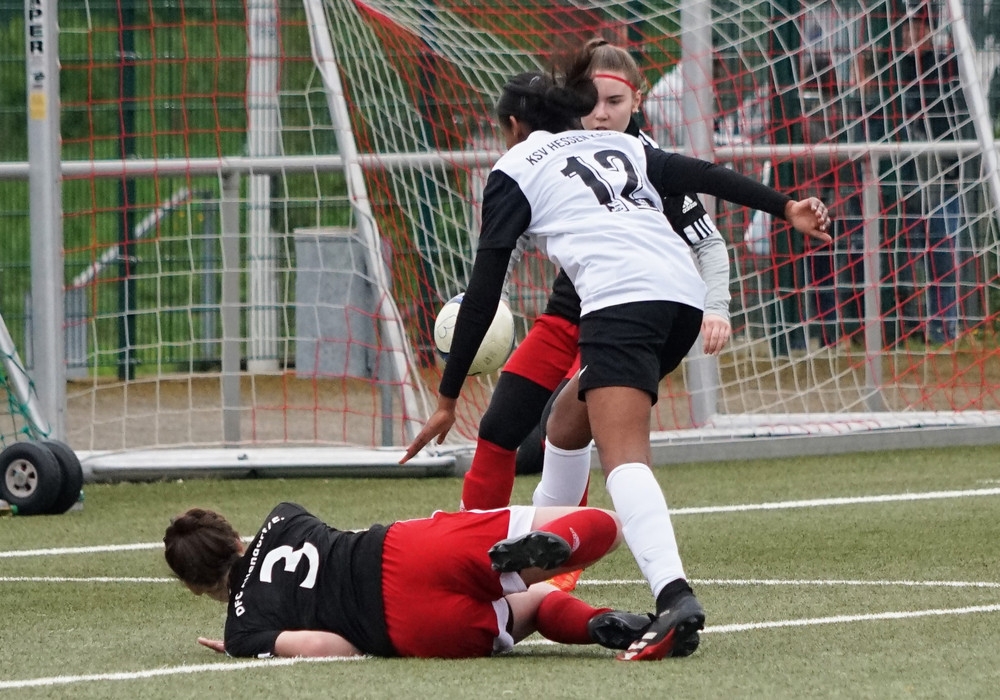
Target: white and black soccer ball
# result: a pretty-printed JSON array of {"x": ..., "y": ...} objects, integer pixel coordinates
[{"x": 496, "y": 346}]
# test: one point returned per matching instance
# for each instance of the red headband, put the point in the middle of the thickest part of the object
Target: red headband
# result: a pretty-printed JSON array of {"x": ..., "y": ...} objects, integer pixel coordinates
[{"x": 610, "y": 76}]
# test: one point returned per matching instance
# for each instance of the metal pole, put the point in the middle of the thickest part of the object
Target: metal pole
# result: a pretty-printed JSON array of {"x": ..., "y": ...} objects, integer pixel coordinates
[
  {"x": 41, "y": 35},
  {"x": 415, "y": 407},
  {"x": 229, "y": 221},
  {"x": 126, "y": 192},
  {"x": 262, "y": 140},
  {"x": 873, "y": 276},
  {"x": 975, "y": 97},
  {"x": 698, "y": 108}
]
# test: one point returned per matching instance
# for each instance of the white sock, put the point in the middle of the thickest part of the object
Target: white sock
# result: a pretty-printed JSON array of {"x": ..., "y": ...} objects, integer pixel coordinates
[
  {"x": 564, "y": 476},
  {"x": 646, "y": 524}
]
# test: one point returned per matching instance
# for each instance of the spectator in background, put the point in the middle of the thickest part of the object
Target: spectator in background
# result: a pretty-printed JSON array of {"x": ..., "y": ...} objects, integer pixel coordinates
[
  {"x": 924, "y": 255},
  {"x": 834, "y": 269}
]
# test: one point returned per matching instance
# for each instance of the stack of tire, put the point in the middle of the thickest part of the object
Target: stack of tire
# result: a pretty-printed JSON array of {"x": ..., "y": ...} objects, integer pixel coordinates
[{"x": 40, "y": 478}]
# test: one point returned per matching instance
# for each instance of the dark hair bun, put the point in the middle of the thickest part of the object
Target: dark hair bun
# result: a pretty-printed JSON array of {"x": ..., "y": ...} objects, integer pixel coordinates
[{"x": 545, "y": 103}]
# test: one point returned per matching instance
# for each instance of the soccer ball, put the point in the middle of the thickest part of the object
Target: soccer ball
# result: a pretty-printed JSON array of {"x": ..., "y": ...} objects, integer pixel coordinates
[{"x": 496, "y": 346}]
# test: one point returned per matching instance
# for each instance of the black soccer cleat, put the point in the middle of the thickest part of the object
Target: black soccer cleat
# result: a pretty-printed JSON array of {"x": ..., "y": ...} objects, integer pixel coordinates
[
  {"x": 544, "y": 550},
  {"x": 616, "y": 629},
  {"x": 674, "y": 632},
  {"x": 686, "y": 647}
]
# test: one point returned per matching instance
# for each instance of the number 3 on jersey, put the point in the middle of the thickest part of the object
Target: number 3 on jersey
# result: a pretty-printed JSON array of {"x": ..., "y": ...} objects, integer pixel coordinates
[
  {"x": 292, "y": 557},
  {"x": 609, "y": 162}
]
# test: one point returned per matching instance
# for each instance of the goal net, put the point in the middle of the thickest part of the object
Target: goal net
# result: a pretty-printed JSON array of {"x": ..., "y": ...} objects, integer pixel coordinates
[
  {"x": 880, "y": 109},
  {"x": 267, "y": 202}
]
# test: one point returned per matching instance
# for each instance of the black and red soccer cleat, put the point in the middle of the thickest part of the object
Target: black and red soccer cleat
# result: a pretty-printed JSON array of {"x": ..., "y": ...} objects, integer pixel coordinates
[
  {"x": 616, "y": 629},
  {"x": 673, "y": 633}
]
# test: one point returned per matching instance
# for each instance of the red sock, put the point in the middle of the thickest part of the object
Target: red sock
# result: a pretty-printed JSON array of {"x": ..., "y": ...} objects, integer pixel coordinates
[
  {"x": 590, "y": 532},
  {"x": 563, "y": 618},
  {"x": 490, "y": 479}
]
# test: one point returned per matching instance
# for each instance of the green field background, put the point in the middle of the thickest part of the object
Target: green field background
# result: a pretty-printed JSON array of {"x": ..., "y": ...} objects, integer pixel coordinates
[{"x": 810, "y": 566}]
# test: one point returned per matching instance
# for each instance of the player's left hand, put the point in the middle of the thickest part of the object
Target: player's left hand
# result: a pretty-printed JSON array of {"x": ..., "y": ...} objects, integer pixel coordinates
[
  {"x": 810, "y": 216},
  {"x": 437, "y": 426},
  {"x": 715, "y": 333},
  {"x": 213, "y": 644}
]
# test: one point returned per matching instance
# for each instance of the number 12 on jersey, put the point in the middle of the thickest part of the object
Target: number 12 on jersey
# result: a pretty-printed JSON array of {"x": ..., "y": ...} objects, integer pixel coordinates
[{"x": 594, "y": 176}]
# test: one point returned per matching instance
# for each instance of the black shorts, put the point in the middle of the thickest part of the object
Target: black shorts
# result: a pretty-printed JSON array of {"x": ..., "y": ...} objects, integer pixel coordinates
[{"x": 636, "y": 344}]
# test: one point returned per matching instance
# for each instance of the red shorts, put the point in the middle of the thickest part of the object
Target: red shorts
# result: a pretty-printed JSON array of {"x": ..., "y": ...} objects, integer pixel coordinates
[
  {"x": 441, "y": 596},
  {"x": 547, "y": 352}
]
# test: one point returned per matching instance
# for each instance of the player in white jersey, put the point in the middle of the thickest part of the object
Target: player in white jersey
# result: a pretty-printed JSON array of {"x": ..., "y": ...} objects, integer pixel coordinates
[
  {"x": 510, "y": 437},
  {"x": 592, "y": 203},
  {"x": 620, "y": 85}
]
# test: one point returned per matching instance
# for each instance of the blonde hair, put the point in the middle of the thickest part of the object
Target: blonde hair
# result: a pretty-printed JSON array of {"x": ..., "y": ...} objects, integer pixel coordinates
[{"x": 601, "y": 56}]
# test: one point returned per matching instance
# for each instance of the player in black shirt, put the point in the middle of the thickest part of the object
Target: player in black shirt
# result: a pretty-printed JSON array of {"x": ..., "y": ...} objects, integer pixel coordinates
[{"x": 453, "y": 585}]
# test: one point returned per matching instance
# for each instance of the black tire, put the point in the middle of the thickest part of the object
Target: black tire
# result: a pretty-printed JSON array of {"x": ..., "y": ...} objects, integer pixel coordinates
[
  {"x": 72, "y": 476},
  {"x": 30, "y": 477}
]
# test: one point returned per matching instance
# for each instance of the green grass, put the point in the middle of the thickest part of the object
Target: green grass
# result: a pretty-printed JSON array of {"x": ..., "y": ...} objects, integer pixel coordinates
[{"x": 803, "y": 564}]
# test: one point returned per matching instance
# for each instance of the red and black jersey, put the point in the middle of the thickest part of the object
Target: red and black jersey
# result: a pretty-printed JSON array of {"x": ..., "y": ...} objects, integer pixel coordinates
[{"x": 298, "y": 573}]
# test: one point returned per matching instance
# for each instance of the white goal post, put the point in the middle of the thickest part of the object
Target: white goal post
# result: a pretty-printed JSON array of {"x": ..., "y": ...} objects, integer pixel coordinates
[{"x": 282, "y": 312}]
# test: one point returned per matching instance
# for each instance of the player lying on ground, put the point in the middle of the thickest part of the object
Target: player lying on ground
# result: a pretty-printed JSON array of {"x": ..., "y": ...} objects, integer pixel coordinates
[{"x": 453, "y": 585}]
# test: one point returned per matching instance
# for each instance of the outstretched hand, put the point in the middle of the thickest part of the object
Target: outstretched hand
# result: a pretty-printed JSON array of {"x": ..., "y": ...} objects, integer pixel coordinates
[
  {"x": 437, "y": 426},
  {"x": 809, "y": 216},
  {"x": 213, "y": 644}
]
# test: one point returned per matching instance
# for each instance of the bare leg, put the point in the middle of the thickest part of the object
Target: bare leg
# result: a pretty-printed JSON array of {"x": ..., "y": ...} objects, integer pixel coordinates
[
  {"x": 568, "y": 425},
  {"x": 619, "y": 419},
  {"x": 524, "y": 608}
]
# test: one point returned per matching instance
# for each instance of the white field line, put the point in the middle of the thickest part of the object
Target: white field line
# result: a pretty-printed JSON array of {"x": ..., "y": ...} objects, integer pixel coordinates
[
  {"x": 60, "y": 551},
  {"x": 582, "y": 582},
  {"x": 845, "y": 501},
  {"x": 86, "y": 579},
  {"x": 153, "y": 673},
  {"x": 92, "y": 549},
  {"x": 836, "y": 619},
  {"x": 240, "y": 665},
  {"x": 779, "y": 505}
]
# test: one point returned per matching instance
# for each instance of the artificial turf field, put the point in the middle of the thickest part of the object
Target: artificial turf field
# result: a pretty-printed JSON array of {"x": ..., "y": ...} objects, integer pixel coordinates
[{"x": 855, "y": 576}]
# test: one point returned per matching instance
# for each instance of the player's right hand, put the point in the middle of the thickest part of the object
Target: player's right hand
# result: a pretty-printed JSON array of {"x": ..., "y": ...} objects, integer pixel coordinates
[
  {"x": 437, "y": 426},
  {"x": 213, "y": 644}
]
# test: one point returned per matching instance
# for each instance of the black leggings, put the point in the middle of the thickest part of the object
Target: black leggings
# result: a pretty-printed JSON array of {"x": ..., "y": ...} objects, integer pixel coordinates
[{"x": 514, "y": 411}]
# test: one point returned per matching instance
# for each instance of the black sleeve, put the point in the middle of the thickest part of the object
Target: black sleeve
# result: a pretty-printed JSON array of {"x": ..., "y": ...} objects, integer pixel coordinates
[
  {"x": 506, "y": 215},
  {"x": 683, "y": 211},
  {"x": 673, "y": 174},
  {"x": 506, "y": 212},
  {"x": 479, "y": 306},
  {"x": 252, "y": 644}
]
